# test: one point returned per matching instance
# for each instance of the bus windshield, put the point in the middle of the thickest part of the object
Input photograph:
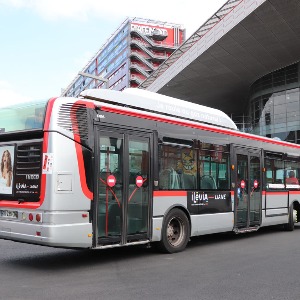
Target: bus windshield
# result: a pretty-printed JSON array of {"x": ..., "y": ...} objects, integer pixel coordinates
[{"x": 22, "y": 116}]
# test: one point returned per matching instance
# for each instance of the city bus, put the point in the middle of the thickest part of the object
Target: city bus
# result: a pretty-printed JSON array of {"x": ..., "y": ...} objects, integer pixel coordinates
[{"x": 111, "y": 169}]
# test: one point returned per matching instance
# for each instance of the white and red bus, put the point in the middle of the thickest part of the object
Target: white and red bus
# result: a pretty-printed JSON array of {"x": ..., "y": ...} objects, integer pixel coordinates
[{"x": 113, "y": 168}]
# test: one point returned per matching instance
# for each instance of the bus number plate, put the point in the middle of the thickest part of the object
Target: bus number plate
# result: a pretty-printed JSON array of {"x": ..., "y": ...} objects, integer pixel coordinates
[{"x": 9, "y": 214}]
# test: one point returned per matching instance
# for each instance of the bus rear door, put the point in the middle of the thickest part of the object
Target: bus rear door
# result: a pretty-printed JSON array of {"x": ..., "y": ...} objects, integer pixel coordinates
[
  {"x": 123, "y": 188},
  {"x": 247, "y": 188}
]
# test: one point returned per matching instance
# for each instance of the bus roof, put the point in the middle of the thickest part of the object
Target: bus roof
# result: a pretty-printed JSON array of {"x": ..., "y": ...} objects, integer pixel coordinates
[{"x": 153, "y": 102}]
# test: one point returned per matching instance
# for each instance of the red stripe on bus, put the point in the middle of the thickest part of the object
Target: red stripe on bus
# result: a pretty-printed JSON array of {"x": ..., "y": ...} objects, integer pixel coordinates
[
  {"x": 48, "y": 114},
  {"x": 45, "y": 145},
  {"x": 86, "y": 191},
  {"x": 15, "y": 204},
  {"x": 192, "y": 124},
  {"x": 44, "y": 176},
  {"x": 294, "y": 192},
  {"x": 74, "y": 119},
  {"x": 276, "y": 193},
  {"x": 169, "y": 193},
  {"x": 81, "y": 169}
]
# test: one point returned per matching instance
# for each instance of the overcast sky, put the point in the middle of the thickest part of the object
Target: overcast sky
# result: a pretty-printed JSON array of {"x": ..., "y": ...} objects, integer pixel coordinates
[{"x": 44, "y": 43}]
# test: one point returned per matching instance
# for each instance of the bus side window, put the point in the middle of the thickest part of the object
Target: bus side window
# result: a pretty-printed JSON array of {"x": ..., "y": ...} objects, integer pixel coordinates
[
  {"x": 169, "y": 180},
  {"x": 167, "y": 164},
  {"x": 274, "y": 175},
  {"x": 214, "y": 167},
  {"x": 178, "y": 167},
  {"x": 291, "y": 172}
]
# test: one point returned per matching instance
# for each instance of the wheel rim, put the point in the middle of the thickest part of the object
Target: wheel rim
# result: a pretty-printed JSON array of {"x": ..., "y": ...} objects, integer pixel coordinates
[{"x": 175, "y": 231}]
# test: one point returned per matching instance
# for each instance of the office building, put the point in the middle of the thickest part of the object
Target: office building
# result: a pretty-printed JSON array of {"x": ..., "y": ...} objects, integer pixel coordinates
[{"x": 130, "y": 55}]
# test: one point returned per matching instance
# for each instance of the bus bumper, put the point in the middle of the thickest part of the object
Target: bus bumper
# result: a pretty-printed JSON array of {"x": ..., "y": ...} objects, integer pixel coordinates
[{"x": 62, "y": 235}]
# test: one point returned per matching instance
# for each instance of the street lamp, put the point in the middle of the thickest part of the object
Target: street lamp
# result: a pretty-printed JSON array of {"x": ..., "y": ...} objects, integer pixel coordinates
[{"x": 94, "y": 77}]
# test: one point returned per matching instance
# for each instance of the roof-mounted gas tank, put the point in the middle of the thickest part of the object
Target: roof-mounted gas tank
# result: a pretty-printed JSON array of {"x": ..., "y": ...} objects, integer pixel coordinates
[{"x": 156, "y": 103}]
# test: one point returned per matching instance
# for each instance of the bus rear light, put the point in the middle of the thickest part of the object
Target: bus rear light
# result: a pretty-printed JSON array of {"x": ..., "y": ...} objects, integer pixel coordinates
[
  {"x": 38, "y": 233},
  {"x": 30, "y": 217},
  {"x": 38, "y": 218},
  {"x": 24, "y": 216},
  {"x": 84, "y": 215}
]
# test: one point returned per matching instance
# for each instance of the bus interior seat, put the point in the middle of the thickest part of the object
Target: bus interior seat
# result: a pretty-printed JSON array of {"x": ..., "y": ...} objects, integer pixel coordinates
[
  {"x": 208, "y": 182},
  {"x": 164, "y": 179},
  {"x": 169, "y": 179},
  {"x": 188, "y": 181}
]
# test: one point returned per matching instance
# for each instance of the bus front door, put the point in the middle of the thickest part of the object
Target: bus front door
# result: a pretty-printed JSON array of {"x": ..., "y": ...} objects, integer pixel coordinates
[
  {"x": 247, "y": 189},
  {"x": 122, "y": 204}
]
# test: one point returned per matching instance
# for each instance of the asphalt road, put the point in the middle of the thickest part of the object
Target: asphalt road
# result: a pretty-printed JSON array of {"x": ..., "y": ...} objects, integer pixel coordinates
[{"x": 262, "y": 265}]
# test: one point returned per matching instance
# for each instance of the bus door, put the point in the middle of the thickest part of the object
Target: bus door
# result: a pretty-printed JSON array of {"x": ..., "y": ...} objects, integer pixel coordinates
[
  {"x": 122, "y": 201},
  {"x": 247, "y": 188}
]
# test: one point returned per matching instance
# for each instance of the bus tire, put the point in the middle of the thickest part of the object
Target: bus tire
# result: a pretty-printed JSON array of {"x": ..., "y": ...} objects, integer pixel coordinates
[
  {"x": 175, "y": 232},
  {"x": 290, "y": 225}
]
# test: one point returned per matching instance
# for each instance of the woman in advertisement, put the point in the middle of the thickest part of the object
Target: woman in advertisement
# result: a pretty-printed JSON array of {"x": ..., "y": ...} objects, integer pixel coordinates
[{"x": 6, "y": 169}]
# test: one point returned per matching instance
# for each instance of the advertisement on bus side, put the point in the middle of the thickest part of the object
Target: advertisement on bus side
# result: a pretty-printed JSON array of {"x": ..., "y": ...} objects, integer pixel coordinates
[
  {"x": 209, "y": 202},
  {"x": 7, "y": 154}
]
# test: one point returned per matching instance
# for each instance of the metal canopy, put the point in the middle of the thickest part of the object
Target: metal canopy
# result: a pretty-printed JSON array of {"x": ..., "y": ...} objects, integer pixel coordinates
[{"x": 249, "y": 40}]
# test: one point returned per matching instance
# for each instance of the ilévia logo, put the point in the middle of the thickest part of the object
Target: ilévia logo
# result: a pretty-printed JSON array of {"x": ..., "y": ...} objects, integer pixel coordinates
[
  {"x": 199, "y": 198},
  {"x": 202, "y": 198}
]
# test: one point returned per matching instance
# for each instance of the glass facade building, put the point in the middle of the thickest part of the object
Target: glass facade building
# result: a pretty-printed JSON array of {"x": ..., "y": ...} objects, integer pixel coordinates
[{"x": 274, "y": 105}]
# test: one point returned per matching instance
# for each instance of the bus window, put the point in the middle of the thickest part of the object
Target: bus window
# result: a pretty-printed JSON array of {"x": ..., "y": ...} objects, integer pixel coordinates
[
  {"x": 23, "y": 116},
  {"x": 178, "y": 168},
  {"x": 168, "y": 177},
  {"x": 213, "y": 167},
  {"x": 291, "y": 172},
  {"x": 274, "y": 175}
]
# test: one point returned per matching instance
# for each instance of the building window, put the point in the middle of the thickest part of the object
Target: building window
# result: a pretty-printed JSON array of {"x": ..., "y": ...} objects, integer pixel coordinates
[{"x": 268, "y": 118}]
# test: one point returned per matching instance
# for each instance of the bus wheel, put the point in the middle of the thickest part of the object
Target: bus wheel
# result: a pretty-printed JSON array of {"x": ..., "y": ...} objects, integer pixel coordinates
[
  {"x": 175, "y": 232},
  {"x": 291, "y": 224}
]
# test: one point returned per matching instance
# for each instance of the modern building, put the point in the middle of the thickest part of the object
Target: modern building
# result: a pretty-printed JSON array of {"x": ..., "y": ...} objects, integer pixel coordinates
[
  {"x": 274, "y": 104},
  {"x": 245, "y": 61},
  {"x": 131, "y": 54}
]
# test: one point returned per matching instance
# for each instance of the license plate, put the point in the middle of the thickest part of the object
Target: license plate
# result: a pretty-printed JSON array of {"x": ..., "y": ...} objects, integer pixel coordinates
[{"x": 9, "y": 214}]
